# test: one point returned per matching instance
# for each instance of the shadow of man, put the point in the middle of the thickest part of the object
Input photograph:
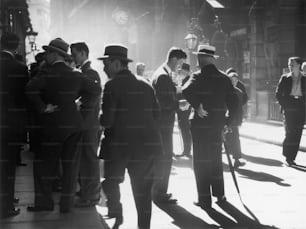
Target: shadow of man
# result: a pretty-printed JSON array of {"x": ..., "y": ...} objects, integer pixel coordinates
[
  {"x": 258, "y": 176},
  {"x": 183, "y": 218},
  {"x": 243, "y": 220}
]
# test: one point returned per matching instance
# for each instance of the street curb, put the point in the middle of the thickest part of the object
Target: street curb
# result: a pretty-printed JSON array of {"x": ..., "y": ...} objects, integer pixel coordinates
[{"x": 302, "y": 148}]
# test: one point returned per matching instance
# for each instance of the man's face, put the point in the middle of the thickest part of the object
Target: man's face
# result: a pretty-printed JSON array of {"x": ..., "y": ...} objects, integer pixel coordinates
[
  {"x": 179, "y": 63},
  {"x": 49, "y": 57},
  {"x": 293, "y": 66},
  {"x": 78, "y": 56},
  {"x": 111, "y": 67}
]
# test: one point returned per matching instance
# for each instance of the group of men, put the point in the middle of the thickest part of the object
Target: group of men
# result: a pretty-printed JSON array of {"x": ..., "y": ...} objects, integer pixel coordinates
[{"x": 137, "y": 122}]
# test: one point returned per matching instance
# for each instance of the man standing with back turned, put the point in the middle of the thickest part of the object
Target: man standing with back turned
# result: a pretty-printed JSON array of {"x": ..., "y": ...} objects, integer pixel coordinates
[{"x": 210, "y": 93}]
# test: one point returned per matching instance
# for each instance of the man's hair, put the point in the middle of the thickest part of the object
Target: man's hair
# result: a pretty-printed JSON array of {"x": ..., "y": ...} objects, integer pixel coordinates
[
  {"x": 297, "y": 59},
  {"x": 10, "y": 41},
  {"x": 175, "y": 52},
  {"x": 80, "y": 46}
]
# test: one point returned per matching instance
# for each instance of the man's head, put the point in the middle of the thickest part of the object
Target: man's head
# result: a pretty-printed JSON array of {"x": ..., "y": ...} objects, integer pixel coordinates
[
  {"x": 9, "y": 41},
  {"x": 175, "y": 58},
  {"x": 79, "y": 52},
  {"x": 206, "y": 55},
  {"x": 140, "y": 68},
  {"x": 56, "y": 50},
  {"x": 115, "y": 59},
  {"x": 294, "y": 64},
  {"x": 233, "y": 75}
]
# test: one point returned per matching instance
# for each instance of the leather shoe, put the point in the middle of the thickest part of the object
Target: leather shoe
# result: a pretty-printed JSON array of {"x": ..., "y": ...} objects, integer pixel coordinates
[
  {"x": 39, "y": 208},
  {"x": 203, "y": 205},
  {"x": 238, "y": 163},
  {"x": 165, "y": 199},
  {"x": 221, "y": 199},
  {"x": 10, "y": 213},
  {"x": 290, "y": 162},
  {"x": 83, "y": 203}
]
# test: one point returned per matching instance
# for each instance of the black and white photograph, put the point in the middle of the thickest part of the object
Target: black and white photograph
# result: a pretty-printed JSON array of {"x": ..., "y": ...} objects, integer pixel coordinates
[{"x": 152, "y": 114}]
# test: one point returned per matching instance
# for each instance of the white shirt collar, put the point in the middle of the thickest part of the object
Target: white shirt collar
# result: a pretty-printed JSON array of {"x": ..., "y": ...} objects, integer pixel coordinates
[
  {"x": 85, "y": 62},
  {"x": 168, "y": 69},
  {"x": 58, "y": 61}
]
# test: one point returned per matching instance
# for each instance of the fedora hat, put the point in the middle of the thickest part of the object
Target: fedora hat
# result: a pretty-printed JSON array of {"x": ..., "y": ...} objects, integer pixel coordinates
[
  {"x": 115, "y": 51},
  {"x": 58, "y": 45},
  {"x": 207, "y": 50}
]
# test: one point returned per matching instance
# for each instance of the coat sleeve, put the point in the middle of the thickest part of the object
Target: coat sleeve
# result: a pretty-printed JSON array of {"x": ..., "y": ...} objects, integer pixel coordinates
[
  {"x": 190, "y": 92},
  {"x": 165, "y": 93},
  {"x": 33, "y": 93},
  {"x": 90, "y": 87},
  {"x": 245, "y": 97},
  {"x": 232, "y": 102},
  {"x": 109, "y": 105},
  {"x": 279, "y": 93}
]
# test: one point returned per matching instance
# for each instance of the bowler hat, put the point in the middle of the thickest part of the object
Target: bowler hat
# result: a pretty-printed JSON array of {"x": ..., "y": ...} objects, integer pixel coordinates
[
  {"x": 115, "y": 51},
  {"x": 207, "y": 50},
  {"x": 58, "y": 45}
]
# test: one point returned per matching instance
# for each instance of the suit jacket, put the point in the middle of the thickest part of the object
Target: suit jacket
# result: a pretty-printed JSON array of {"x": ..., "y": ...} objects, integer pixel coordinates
[
  {"x": 284, "y": 87},
  {"x": 60, "y": 86},
  {"x": 129, "y": 115},
  {"x": 241, "y": 87},
  {"x": 165, "y": 91},
  {"x": 90, "y": 107},
  {"x": 14, "y": 77},
  {"x": 214, "y": 90}
]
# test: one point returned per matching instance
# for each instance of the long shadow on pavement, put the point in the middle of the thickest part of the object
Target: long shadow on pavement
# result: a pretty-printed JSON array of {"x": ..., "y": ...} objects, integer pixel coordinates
[
  {"x": 184, "y": 219},
  {"x": 301, "y": 168},
  {"x": 259, "y": 176},
  {"x": 262, "y": 160},
  {"x": 243, "y": 220}
]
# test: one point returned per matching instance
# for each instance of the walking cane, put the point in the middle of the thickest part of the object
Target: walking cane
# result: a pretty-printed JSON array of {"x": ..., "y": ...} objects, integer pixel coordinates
[{"x": 226, "y": 131}]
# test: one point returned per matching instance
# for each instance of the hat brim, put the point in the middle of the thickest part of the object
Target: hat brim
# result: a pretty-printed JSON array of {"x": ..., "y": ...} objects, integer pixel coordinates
[
  {"x": 47, "y": 47},
  {"x": 206, "y": 54},
  {"x": 117, "y": 57}
]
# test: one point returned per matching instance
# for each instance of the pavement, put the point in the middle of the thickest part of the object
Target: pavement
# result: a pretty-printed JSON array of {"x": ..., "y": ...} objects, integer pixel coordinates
[
  {"x": 273, "y": 193},
  {"x": 272, "y": 133}
]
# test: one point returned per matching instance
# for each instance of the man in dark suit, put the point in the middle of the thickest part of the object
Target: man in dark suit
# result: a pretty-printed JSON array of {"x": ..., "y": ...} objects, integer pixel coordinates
[
  {"x": 210, "y": 93},
  {"x": 183, "y": 114},
  {"x": 14, "y": 77},
  {"x": 53, "y": 94},
  {"x": 166, "y": 96},
  {"x": 291, "y": 95},
  {"x": 131, "y": 137},
  {"x": 89, "y": 176}
]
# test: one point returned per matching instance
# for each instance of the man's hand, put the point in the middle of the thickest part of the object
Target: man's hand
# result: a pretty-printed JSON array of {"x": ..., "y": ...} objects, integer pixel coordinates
[
  {"x": 201, "y": 112},
  {"x": 50, "y": 108},
  {"x": 183, "y": 105}
]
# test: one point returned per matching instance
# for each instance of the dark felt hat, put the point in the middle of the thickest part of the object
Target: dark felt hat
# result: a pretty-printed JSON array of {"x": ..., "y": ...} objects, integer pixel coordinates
[
  {"x": 58, "y": 45},
  {"x": 115, "y": 51}
]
